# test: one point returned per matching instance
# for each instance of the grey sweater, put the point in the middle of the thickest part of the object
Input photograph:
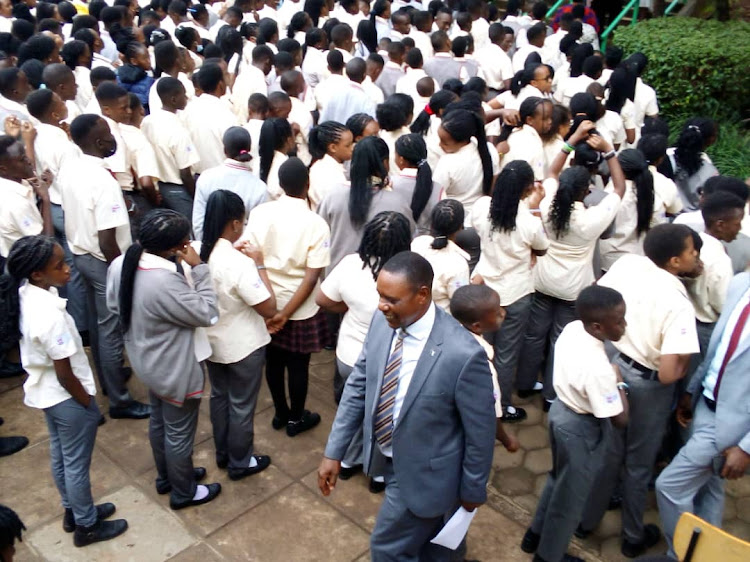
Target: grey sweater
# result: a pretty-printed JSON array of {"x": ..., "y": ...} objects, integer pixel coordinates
[{"x": 159, "y": 341}]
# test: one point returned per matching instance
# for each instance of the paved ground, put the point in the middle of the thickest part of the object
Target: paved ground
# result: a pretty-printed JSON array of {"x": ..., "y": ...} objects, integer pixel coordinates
[{"x": 278, "y": 515}]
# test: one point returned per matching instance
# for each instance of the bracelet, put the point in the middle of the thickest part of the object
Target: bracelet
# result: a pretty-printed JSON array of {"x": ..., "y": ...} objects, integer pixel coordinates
[
  {"x": 567, "y": 149},
  {"x": 624, "y": 387},
  {"x": 260, "y": 267},
  {"x": 609, "y": 155}
]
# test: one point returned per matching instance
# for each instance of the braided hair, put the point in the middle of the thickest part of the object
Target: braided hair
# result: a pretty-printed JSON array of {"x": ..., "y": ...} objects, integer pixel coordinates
[
  {"x": 387, "y": 234},
  {"x": 328, "y": 132},
  {"x": 447, "y": 219},
  {"x": 27, "y": 255},
  {"x": 357, "y": 124},
  {"x": 160, "y": 230},
  {"x": 437, "y": 103},
  {"x": 692, "y": 142},
  {"x": 72, "y": 51},
  {"x": 511, "y": 184},
  {"x": 413, "y": 149},
  {"x": 274, "y": 135},
  {"x": 462, "y": 124},
  {"x": 635, "y": 168},
  {"x": 11, "y": 527},
  {"x": 368, "y": 163},
  {"x": 573, "y": 186},
  {"x": 223, "y": 206}
]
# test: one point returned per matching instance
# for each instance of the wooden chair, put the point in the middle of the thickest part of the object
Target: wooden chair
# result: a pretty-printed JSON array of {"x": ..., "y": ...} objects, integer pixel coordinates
[{"x": 698, "y": 541}]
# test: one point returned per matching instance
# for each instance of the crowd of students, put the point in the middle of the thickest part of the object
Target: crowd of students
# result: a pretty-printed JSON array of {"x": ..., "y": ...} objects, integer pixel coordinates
[{"x": 215, "y": 187}]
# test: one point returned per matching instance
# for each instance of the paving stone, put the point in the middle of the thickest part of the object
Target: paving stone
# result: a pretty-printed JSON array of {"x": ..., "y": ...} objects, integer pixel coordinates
[
  {"x": 533, "y": 437},
  {"x": 503, "y": 459},
  {"x": 20, "y": 419},
  {"x": 25, "y": 553},
  {"x": 527, "y": 502},
  {"x": 126, "y": 443},
  {"x": 200, "y": 552},
  {"x": 539, "y": 484},
  {"x": 352, "y": 497},
  {"x": 492, "y": 536},
  {"x": 730, "y": 508},
  {"x": 534, "y": 414},
  {"x": 739, "y": 488},
  {"x": 514, "y": 481},
  {"x": 743, "y": 509},
  {"x": 738, "y": 528},
  {"x": 609, "y": 526},
  {"x": 539, "y": 461}
]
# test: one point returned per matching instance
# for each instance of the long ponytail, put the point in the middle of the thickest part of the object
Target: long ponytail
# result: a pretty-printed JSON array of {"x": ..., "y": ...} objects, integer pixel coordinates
[
  {"x": 368, "y": 162},
  {"x": 222, "y": 207},
  {"x": 273, "y": 134},
  {"x": 635, "y": 168},
  {"x": 573, "y": 184},
  {"x": 327, "y": 132},
  {"x": 437, "y": 103},
  {"x": 413, "y": 149},
  {"x": 447, "y": 219},
  {"x": 513, "y": 181},
  {"x": 462, "y": 124}
]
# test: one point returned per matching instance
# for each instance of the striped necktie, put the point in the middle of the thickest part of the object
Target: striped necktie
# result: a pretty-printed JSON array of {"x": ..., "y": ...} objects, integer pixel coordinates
[{"x": 384, "y": 413}]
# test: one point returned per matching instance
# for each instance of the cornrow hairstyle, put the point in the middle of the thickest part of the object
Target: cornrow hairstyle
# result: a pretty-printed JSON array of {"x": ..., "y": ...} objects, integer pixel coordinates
[
  {"x": 11, "y": 527},
  {"x": 635, "y": 168},
  {"x": 387, "y": 234},
  {"x": 27, "y": 255},
  {"x": 447, "y": 219},
  {"x": 160, "y": 230},
  {"x": 327, "y": 132},
  {"x": 511, "y": 184},
  {"x": 413, "y": 149},
  {"x": 357, "y": 123},
  {"x": 573, "y": 186},
  {"x": 130, "y": 50},
  {"x": 274, "y": 135},
  {"x": 390, "y": 116},
  {"x": 368, "y": 162},
  {"x": 462, "y": 124},
  {"x": 438, "y": 102},
  {"x": 692, "y": 142},
  {"x": 72, "y": 51},
  {"x": 222, "y": 207}
]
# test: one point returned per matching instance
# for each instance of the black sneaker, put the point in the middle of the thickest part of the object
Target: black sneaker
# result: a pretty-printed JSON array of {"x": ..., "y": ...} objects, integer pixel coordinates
[
  {"x": 103, "y": 511},
  {"x": 514, "y": 416},
  {"x": 279, "y": 423},
  {"x": 199, "y": 473},
  {"x": 651, "y": 536},
  {"x": 11, "y": 445},
  {"x": 98, "y": 532},
  {"x": 530, "y": 541},
  {"x": 307, "y": 421},
  {"x": 615, "y": 502},
  {"x": 213, "y": 491},
  {"x": 349, "y": 471},
  {"x": 264, "y": 461},
  {"x": 376, "y": 487}
]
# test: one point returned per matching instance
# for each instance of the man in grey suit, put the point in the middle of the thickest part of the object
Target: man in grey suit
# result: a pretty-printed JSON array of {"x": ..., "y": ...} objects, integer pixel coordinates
[
  {"x": 422, "y": 391},
  {"x": 719, "y": 447}
]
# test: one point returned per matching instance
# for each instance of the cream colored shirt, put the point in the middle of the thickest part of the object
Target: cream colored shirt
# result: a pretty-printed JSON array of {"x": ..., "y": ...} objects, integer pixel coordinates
[
  {"x": 709, "y": 291},
  {"x": 19, "y": 215},
  {"x": 450, "y": 266},
  {"x": 667, "y": 190},
  {"x": 154, "y": 101},
  {"x": 390, "y": 138},
  {"x": 460, "y": 175},
  {"x": 170, "y": 139},
  {"x": 660, "y": 316},
  {"x": 571, "y": 86},
  {"x": 141, "y": 158},
  {"x": 93, "y": 201},
  {"x": 584, "y": 379},
  {"x": 239, "y": 288},
  {"x": 51, "y": 148},
  {"x": 495, "y": 64},
  {"x": 526, "y": 144},
  {"x": 292, "y": 238},
  {"x": 272, "y": 182},
  {"x": 490, "y": 351},
  {"x": 324, "y": 175},
  {"x": 249, "y": 81},
  {"x": 505, "y": 263},
  {"x": 208, "y": 118}
]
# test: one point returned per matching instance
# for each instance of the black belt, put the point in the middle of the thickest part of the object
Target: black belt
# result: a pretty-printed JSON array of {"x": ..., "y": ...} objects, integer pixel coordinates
[
  {"x": 646, "y": 373},
  {"x": 710, "y": 403}
]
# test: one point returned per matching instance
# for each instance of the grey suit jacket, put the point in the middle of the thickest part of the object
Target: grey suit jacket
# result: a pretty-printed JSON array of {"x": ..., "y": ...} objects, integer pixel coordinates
[
  {"x": 444, "y": 437},
  {"x": 733, "y": 405}
]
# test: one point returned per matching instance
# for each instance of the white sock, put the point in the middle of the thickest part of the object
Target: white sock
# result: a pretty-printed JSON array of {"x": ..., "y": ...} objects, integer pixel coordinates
[
  {"x": 538, "y": 386},
  {"x": 378, "y": 478},
  {"x": 345, "y": 465},
  {"x": 201, "y": 492},
  {"x": 253, "y": 462},
  {"x": 511, "y": 410}
]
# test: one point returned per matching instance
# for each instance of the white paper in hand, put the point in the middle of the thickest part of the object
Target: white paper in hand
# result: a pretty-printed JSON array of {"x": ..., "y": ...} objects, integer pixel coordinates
[{"x": 453, "y": 532}]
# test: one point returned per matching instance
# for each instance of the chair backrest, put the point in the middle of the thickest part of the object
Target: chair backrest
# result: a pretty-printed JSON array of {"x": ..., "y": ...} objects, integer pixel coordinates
[{"x": 712, "y": 544}]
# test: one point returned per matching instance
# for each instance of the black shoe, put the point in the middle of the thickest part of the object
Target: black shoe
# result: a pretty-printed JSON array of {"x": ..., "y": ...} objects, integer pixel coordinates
[
  {"x": 10, "y": 369},
  {"x": 566, "y": 558},
  {"x": 279, "y": 423},
  {"x": 264, "y": 461},
  {"x": 213, "y": 491},
  {"x": 307, "y": 421},
  {"x": 10, "y": 445},
  {"x": 133, "y": 411},
  {"x": 2, "y": 421},
  {"x": 582, "y": 533},
  {"x": 530, "y": 541},
  {"x": 528, "y": 393},
  {"x": 517, "y": 416},
  {"x": 102, "y": 420},
  {"x": 349, "y": 471},
  {"x": 376, "y": 487},
  {"x": 615, "y": 502},
  {"x": 199, "y": 473},
  {"x": 99, "y": 531},
  {"x": 546, "y": 406},
  {"x": 103, "y": 511},
  {"x": 651, "y": 536},
  {"x": 222, "y": 462},
  {"x": 85, "y": 338}
]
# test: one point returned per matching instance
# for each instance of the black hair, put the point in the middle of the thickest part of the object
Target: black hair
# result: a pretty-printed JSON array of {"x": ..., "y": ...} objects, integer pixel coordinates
[
  {"x": 258, "y": 102},
  {"x": 33, "y": 69},
  {"x": 187, "y": 36},
  {"x": 462, "y": 124},
  {"x": 523, "y": 78},
  {"x": 222, "y": 207},
  {"x": 595, "y": 302},
  {"x": 237, "y": 143},
  {"x": 289, "y": 79},
  {"x": 621, "y": 88},
  {"x": 718, "y": 205},
  {"x": 102, "y": 74},
  {"x": 368, "y": 162},
  {"x": 573, "y": 186},
  {"x": 635, "y": 168},
  {"x": 560, "y": 115},
  {"x": 261, "y": 53},
  {"x": 293, "y": 176},
  {"x": 653, "y": 147},
  {"x": 580, "y": 53},
  {"x": 84, "y": 21},
  {"x": 439, "y": 40},
  {"x": 168, "y": 86},
  {"x": 297, "y": 23},
  {"x": 288, "y": 45},
  {"x": 155, "y": 35},
  {"x": 9, "y": 44},
  {"x": 638, "y": 62},
  {"x": 586, "y": 156},
  {"x": 387, "y": 234},
  {"x": 39, "y": 103},
  {"x": 357, "y": 123},
  {"x": 447, "y": 219},
  {"x": 568, "y": 42},
  {"x": 327, "y": 132},
  {"x": 437, "y": 103},
  {"x": 592, "y": 66},
  {"x": 108, "y": 92},
  {"x": 341, "y": 32},
  {"x": 583, "y": 107},
  {"x": 415, "y": 268},
  {"x": 535, "y": 31},
  {"x": 134, "y": 102},
  {"x": 8, "y": 79},
  {"x": 335, "y": 60},
  {"x": 726, "y": 183},
  {"x": 313, "y": 9},
  {"x": 511, "y": 184},
  {"x": 84, "y": 35},
  {"x": 230, "y": 42},
  {"x": 391, "y": 117},
  {"x": 45, "y": 10},
  {"x": 413, "y": 149},
  {"x": 166, "y": 56},
  {"x": 468, "y": 303},
  {"x": 49, "y": 24},
  {"x": 613, "y": 56},
  {"x": 39, "y": 47},
  {"x": 283, "y": 61},
  {"x": 314, "y": 36},
  {"x": 454, "y": 85},
  {"x": 414, "y": 58},
  {"x": 160, "y": 230},
  {"x": 27, "y": 255},
  {"x": 692, "y": 142},
  {"x": 274, "y": 135},
  {"x": 666, "y": 241},
  {"x": 578, "y": 11},
  {"x": 654, "y": 125},
  {"x": 512, "y": 7},
  {"x": 267, "y": 28},
  {"x": 81, "y": 127},
  {"x": 209, "y": 77}
]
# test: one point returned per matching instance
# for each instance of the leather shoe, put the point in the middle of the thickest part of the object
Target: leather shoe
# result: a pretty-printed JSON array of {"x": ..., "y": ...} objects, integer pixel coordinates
[
  {"x": 376, "y": 487},
  {"x": 279, "y": 423},
  {"x": 103, "y": 511},
  {"x": 2, "y": 421},
  {"x": 307, "y": 421},
  {"x": 199, "y": 473},
  {"x": 528, "y": 393},
  {"x": 99, "y": 531},
  {"x": 530, "y": 541},
  {"x": 133, "y": 411},
  {"x": 10, "y": 445},
  {"x": 347, "y": 472},
  {"x": 651, "y": 536},
  {"x": 518, "y": 415},
  {"x": 222, "y": 462},
  {"x": 213, "y": 491},
  {"x": 566, "y": 558},
  {"x": 264, "y": 461}
]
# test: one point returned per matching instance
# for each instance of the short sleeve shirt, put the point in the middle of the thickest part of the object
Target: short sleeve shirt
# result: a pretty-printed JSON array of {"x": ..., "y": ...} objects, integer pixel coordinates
[
  {"x": 19, "y": 215},
  {"x": 173, "y": 148},
  {"x": 450, "y": 266}
]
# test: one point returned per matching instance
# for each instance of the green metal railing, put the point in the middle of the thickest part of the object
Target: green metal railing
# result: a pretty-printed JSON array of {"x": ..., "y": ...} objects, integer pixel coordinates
[
  {"x": 634, "y": 5},
  {"x": 672, "y": 6},
  {"x": 554, "y": 7}
]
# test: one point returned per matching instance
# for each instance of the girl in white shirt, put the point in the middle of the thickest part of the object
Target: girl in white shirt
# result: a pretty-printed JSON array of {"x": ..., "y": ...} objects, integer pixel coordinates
[
  {"x": 553, "y": 139},
  {"x": 77, "y": 56},
  {"x": 620, "y": 100},
  {"x": 276, "y": 141},
  {"x": 330, "y": 145},
  {"x": 414, "y": 181},
  {"x": 525, "y": 143}
]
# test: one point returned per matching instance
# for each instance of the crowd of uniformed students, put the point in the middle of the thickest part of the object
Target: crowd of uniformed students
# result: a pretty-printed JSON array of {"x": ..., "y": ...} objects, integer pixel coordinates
[{"x": 214, "y": 188}]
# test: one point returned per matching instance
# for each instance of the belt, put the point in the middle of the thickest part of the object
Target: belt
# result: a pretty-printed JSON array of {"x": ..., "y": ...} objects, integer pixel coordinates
[
  {"x": 646, "y": 373},
  {"x": 710, "y": 403}
]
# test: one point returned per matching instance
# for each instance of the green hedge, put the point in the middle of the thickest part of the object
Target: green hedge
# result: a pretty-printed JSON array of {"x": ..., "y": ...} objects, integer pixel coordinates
[{"x": 697, "y": 67}]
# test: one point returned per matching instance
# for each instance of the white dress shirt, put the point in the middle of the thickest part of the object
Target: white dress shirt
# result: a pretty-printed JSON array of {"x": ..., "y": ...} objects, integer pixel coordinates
[
  {"x": 208, "y": 118},
  {"x": 19, "y": 215},
  {"x": 495, "y": 64}
]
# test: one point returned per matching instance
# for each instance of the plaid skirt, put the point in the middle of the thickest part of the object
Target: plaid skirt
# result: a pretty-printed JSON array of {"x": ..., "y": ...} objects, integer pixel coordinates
[{"x": 303, "y": 336}]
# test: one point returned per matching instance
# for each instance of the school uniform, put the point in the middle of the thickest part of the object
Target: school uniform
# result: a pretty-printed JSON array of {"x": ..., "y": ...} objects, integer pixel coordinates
[
  {"x": 325, "y": 174},
  {"x": 249, "y": 81},
  {"x": 85, "y": 90},
  {"x": 523, "y": 52},
  {"x": 570, "y": 87},
  {"x": 442, "y": 67},
  {"x": 404, "y": 183},
  {"x": 327, "y": 88},
  {"x": 154, "y": 101},
  {"x": 645, "y": 103},
  {"x": 422, "y": 42},
  {"x": 19, "y": 214},
  {"x": 390, "y": 138},
  {"x": 461, "y": 176},
  {"x": 496, "y": 66},
  {"x": 611, "y": 128},
  {"x": 526, "y": 144},
  {"x": 450, "y": 266},
  {"x": 207, "y": 118},
  {"x": 407, "y": 84},
  {"x": 273, "y": 187},
  {"x": 253, "y": 127},
  {"x": 388, "y": 79},
  {"x": 302, "y": 117},
  {"x": 348, "y": 100},
  {"x": 514, "y": 102},
  {"x": 579, "y": 432},
  {"x": 551, "y": 54},
  {"x": 50, "y": 334},
  {"x": 489, "y": 350},
  {"x": 374, "y": 93},
  {"x": 315, "y": 67},
  {"x": 688, "y": 185},
  {"x": 661, "y": 321},
  {"x": 141, "y": 163}
]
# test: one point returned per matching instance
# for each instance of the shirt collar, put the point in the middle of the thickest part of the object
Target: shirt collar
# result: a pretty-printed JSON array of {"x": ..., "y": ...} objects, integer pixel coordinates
[
  {"x": 48, "y": 296},
  {"x": 391, "y": 64},
  {"x": 293, "y": 200},
  {"x": 236, "y": 164},
  {"x": 421, "y": 329},
  {"x": 23, "y": 188},
  {"x": 152, "y": 261},
  {"x": 408, "y": 172}
]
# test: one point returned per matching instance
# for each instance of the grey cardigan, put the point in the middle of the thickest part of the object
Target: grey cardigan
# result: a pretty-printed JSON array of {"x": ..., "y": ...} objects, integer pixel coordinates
[{"x": 159, "y": 340}]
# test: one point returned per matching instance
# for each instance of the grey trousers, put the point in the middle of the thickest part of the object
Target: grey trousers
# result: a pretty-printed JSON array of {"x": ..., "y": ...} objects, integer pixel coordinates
[
  {"x": 634, "y": 450},
  {"x": 579, "y": 443},
  {"x": 104, "y": 331},
  {"x": 234, "y": 395},
  {"x": 507, "y": 342},
  {"x": 171, "y": 432},
  {"x": 74, "y": 291},
  {"x": 72, "y": 431},
  {"x": 547, "y": 318},
  {"x": 689, "y": 483},
  {"x": 175, "y": 197},
  {"x": 355, "y": 452},
  {"x": 704, "y": 337}
]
